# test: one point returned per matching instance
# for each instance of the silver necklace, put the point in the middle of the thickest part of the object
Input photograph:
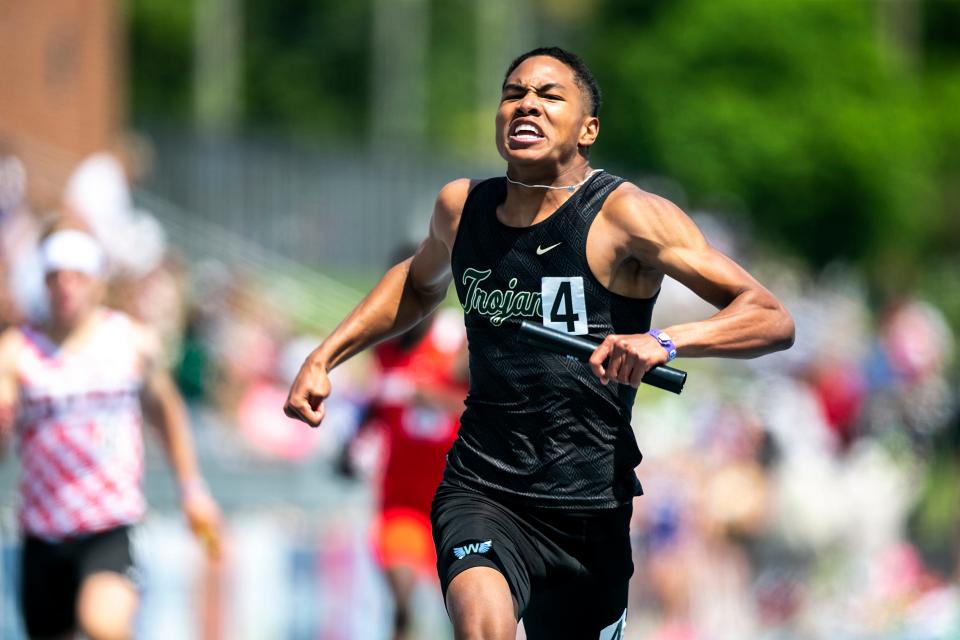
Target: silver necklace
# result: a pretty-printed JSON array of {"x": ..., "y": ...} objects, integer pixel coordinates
[{"x": 571, "y": 188}]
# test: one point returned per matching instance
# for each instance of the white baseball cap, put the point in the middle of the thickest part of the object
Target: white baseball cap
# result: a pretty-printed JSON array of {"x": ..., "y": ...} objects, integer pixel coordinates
[{"x": 71, "y": 250}]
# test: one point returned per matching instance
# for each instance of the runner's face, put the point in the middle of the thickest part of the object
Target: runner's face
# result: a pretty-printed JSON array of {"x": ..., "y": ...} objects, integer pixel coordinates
[
  {"x": 72, "y": 294},
  {"x": 543, "y": 114}
]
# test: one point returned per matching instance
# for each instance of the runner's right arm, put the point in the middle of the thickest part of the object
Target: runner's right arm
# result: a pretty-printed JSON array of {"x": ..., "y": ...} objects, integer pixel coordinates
[
  {"x": 406, "y": 294},
  {"x": 10, "y": 342}
]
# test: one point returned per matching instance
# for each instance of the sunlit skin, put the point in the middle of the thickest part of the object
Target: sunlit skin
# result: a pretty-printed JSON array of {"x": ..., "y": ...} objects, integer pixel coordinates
[{"x": 73, "y": 296}]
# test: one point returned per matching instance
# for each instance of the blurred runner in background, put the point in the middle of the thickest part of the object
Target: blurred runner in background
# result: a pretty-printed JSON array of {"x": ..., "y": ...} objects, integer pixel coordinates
[
  {"x": 75, "y": 390},
  {"x": 416, "y": 409}
]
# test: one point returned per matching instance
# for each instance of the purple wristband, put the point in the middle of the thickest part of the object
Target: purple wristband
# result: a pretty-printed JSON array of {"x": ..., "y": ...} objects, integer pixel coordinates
[{"x": 665, "y": 341}]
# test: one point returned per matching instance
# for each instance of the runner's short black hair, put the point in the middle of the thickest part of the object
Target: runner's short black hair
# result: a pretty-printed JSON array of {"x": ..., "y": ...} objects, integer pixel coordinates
[{"x": 581, "y": 72}]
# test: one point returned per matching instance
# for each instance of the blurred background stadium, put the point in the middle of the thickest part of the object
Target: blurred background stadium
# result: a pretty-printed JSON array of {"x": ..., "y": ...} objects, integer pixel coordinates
[{"x": 249, "y": 165}]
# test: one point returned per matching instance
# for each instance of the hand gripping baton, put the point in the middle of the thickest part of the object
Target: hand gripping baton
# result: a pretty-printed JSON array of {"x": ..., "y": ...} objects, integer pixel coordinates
[{"x": 537, "y": 335}]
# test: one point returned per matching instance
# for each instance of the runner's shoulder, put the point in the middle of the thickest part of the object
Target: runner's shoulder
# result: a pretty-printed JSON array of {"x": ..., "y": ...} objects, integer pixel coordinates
[
  {"x": 454, "y": 194},
  {"x": 127, "y": 325},
  {"x": 644, "y": 215},
  {"x": 449, "y": 207},
  {"x": 146, "y": 340},
  {"x": 12, "y": 341},
  {"x": 628, "y": 201}
]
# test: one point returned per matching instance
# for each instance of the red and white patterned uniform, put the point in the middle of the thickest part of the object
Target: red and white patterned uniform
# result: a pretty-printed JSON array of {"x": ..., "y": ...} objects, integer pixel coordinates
[{"x": 80, "y": 437}]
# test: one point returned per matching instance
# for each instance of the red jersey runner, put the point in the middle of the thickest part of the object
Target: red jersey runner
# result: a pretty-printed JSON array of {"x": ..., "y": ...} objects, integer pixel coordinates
[{"x": 417, "y": 437}]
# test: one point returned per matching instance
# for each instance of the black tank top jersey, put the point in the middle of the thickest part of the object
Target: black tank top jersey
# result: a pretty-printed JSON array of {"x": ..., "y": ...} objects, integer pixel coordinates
[{"x": 540, "y": 428}]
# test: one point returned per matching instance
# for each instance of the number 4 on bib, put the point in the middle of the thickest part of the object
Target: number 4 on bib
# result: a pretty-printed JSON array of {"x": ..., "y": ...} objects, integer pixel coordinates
[{"x": 564, "y": 305}]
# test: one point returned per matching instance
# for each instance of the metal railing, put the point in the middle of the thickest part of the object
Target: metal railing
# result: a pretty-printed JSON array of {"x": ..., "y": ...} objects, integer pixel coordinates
[{"x": 324, "y": 206}]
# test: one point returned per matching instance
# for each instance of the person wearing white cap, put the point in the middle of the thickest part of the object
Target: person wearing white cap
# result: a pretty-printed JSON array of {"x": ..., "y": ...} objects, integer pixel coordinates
[{"x": 74, "y": 393}]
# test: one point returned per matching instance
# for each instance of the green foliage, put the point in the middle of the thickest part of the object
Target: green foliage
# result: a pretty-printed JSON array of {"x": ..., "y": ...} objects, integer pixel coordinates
[
  {"x": 797, "y": 107},
  {"x": 452, "y": 87},
  {"x": 941, "y": 30},
  {"x": 305, "y": 64},
  {"x": 942, "y": 104},
  {"x": 839, "y": 143},
  {"x": 161, "y": 59}
]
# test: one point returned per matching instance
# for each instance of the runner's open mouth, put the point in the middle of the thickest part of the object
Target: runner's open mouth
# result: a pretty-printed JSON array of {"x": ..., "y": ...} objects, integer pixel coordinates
[{"x": 525, "y": 132}]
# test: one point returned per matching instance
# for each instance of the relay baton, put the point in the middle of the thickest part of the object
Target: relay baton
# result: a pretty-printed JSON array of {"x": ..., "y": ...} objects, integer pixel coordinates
[{"x": 537, "y": 335}]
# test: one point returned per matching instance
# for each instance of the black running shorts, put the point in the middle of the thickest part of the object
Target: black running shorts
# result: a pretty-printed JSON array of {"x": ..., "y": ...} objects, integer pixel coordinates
[
  {"x": 567, "y": 571},
  {"x": 51, "y": 574}
]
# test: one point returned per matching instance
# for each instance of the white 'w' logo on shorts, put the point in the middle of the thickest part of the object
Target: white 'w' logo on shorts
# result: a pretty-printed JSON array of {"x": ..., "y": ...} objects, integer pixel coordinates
[{"x": 476, "y": 547}]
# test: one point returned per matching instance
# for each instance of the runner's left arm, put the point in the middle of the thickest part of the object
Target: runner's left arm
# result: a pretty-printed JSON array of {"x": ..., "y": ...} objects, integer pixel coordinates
[
  {"x": 9, "y": 391},
  {"x": 165, "y": 409},
  {"x": 750, "y": 321}
]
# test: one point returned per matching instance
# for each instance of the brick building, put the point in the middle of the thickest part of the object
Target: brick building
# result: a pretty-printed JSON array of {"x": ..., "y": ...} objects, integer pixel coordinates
[{"x": 61, "y": 86}]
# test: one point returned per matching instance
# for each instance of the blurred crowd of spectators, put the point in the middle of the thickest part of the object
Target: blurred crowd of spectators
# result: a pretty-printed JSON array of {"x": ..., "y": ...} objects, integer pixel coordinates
[{"x": 810, "y": 494}]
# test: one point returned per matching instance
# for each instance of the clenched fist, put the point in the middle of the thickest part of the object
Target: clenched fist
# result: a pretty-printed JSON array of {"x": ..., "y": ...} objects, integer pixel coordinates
[
  {"x": 628, "y": 358},
  {"x": 309, "y": 390}
]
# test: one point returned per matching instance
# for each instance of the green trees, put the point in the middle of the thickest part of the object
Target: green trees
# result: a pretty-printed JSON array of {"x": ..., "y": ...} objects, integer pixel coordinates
[
  {"x": 832, "y": 123},
  {"x": 807, "y": 112}
]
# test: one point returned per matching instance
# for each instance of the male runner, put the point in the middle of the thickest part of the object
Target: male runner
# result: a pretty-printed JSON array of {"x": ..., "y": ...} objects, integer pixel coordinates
[
  {"x": 532, "y": 518},
  {"x": 73, "y": 390}
]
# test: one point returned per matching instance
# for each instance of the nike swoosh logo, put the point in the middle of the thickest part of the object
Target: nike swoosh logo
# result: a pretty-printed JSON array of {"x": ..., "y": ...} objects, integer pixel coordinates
[{"x": 541, "y": 251}]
